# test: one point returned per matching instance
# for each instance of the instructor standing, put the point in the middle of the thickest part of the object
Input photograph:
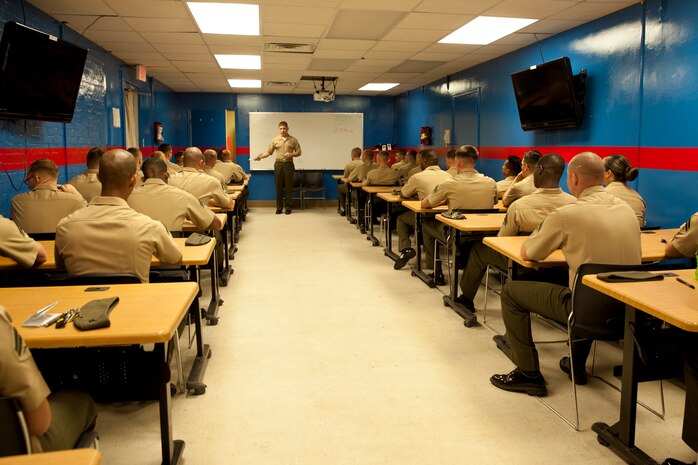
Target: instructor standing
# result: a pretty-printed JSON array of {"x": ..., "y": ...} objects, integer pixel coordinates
[{"x": 286, "y": 148}]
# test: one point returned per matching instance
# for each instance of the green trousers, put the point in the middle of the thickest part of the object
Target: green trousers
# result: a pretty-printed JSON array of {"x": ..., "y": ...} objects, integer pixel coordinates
[
  {"x": 480, "y": 257},
  {"x": 283, "y": 177},
  {"x": 72, "y": 413}
]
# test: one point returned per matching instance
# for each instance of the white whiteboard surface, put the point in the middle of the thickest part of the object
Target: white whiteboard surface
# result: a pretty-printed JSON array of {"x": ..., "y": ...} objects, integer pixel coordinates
[{"x": 326, "y": 139}]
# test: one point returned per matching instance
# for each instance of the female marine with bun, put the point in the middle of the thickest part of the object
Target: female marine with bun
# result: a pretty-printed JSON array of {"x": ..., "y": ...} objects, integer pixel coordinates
[{"x": 618, "y": 173}]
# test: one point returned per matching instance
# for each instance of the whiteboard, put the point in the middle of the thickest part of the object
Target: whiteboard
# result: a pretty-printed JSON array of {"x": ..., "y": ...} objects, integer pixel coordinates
[{"x": 326, "y": 139}]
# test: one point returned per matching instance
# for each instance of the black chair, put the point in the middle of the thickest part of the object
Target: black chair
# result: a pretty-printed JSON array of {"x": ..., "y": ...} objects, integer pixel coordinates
[
  {"x": 49, "y": 236},
  {"x": 16, "y": 439},
  {"x": 15, "y": 435},
  {"x": 94, "y": 279},
  {"x": 598, "y": 317},
  {"x": 298, "y": 186},
  {"x": 313, "y": 184}
]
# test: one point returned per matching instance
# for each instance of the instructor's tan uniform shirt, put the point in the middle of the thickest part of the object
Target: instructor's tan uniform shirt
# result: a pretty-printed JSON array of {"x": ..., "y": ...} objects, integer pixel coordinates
[
  {"x": 467, "y": 190},
  {"x": 595, "y": 228},
  {"x": 200, "y": 185},
  {"x": 40, "y": 210},
  {"x": 87, "y": 184},
  {"x": 169, "y": 205},
  {"x": 108, "y": 236},
  {"x": 14, "y": 243},
  {"x": 281, "y": 146}
]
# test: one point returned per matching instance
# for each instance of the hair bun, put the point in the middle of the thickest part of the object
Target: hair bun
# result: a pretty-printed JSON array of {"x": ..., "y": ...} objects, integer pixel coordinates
[{"x": 631, "y": 173}]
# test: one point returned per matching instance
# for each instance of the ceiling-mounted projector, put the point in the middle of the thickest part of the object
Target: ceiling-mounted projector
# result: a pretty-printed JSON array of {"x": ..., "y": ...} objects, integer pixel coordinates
[{"x": 323, "y": 95}]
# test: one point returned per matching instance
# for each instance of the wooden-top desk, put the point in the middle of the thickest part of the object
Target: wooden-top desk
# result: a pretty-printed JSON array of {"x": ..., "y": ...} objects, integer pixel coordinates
[
  {"x": 510, "y": 247},
  {"x": 475, "y": 225},
  {"x": 391, "y": 199},
  {"x": 500, "y": 206},
  {"x": 63, "y": 457},
  {"x": 146, "y": 313},
  {"x": 372, "y": 191},
  {"x": 668, "y": 300},
  {"x": 419, "y": 212}
]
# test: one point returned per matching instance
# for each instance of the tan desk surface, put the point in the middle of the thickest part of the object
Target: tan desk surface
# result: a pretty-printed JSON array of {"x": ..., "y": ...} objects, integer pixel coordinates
[
  {"x": 500, "y": 206},
  {"x": 236, "y": 187},
  {"x": 475, "y": 222},
  {"x": 356, "y": 184},
  {"x": 191, "y": 255},
  {"x": 388, "y": 197},
  {"x": 63, "y": 457},
  {"x": 146, "y": 313},
  {"x": 189, "y": 226},
  {"x": 416, "y": 206},
  {"x": 378, "y": 189},
  {"x": 668, "y": 299},
  {"x": 652, "y": 248},
  {"x": 337, "y": 176},
  {"x": 235, "y": 195}
]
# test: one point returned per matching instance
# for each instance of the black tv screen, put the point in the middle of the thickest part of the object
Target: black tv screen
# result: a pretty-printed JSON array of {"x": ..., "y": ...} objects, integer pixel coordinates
[
  {"x": 39, "y": 75},
  {"x": 548, "y": 97}
]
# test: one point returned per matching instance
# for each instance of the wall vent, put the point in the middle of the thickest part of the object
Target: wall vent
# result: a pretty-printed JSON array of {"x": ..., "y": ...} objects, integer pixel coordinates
[
  {"x": 279, "y": 47},
  {"x": 279, "y": 83}
]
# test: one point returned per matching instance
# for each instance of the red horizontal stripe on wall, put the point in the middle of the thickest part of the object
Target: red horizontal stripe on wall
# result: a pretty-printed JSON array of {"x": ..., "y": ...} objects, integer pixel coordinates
[
  {"x": 661, "y": 158},
  {"x": 566, "y": 152},
  {"x": 242, "y": 150}
]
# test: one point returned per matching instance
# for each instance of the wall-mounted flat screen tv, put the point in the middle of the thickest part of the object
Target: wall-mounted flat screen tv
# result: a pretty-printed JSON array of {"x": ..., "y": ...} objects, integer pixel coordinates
[
  {"x": 549, "y": 96},
  {"x": 40, "y": 74}
]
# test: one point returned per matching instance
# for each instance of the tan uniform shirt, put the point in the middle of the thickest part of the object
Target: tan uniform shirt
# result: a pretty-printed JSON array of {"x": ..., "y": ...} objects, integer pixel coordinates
[
  {"x": 423, "y": 183},
  {"x": 416, "y": 169},
  {"x": 201, "y": 185},
  {"x": 40, "y": 210},
  {"x": 524, "y": 215},
  {"x": 172, "y": 168},
  {"x": 216, "y": 174},
  {"x": 224, "y": 169},
  {"x": 360, "y": 172},
  {"x": 518, "y": 190},
  {"x": 87, "y": 184},
  {"x": 14, "y": 243},
  {"x": 381, "y": 176},
  {"x": 398, "y": 164},
  {"x": 631, "y": 197},
  {"x": 686, "y": 240},
  {"x": 349, "y": 167},
  {"x": 169, "y": 205},
  {"x": 596, "y": 228},
  {"x": 453, "y": 171},
  {"x": 108, "y": 236},
  {"x": 403, "y": 171},
  {"x": 281, "y": 146},
  {"x": 503, "y": 185},
  {"x": 468, "y": 190},
  {"x": 139, "y": 178}
]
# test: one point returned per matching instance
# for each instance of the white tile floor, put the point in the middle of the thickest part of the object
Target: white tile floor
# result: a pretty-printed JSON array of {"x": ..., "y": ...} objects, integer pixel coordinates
[{"x": 326, "y": 355}]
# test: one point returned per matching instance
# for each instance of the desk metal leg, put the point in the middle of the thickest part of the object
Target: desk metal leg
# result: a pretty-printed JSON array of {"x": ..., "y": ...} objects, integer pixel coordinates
[
  {"x": 228, "y": 245},
  {"x": 172, "y": 450},
  {"x": 203, "y": 353},
  {"x": 369, "y": 216},
  {"x": 621, "y": 436},
  {"x": 469, "y": 318},
  {"x": 212, "y": 311},
  {"x": 417, "y": 271},
  {"x": 347, "y": 207},
  {"x": 388, "y": 250}
]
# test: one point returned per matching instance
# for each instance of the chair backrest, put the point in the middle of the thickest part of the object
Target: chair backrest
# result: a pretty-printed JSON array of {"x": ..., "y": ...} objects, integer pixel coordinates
[
  {"x": 594, "y": 314},
  {"x": 14, "y": 435},
  {"x": 50, "y": 236},
  {"x": 312, "y": 179},
  {"x": 297, "y": 178},
  {"x": 102, "y": 278}
]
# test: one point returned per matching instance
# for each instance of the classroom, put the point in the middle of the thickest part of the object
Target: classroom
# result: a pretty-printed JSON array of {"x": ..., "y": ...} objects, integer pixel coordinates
[{"x": 319, "y": 340}]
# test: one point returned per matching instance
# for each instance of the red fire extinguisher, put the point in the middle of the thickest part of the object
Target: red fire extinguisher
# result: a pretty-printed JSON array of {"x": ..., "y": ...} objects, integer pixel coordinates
[
  {"x": 425, "y": 135},
  {"x": 158, "y": 135}
]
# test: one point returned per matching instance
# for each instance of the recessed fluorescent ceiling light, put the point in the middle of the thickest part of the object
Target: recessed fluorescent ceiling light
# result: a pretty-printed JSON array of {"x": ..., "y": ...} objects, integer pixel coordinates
[
  {"x": 484, "y": 30},
  {"x": 245, "y": 83},
  {"x": 239, "y": 61},
  {"x": 226, "y": 18},
  {"x": 380, "y": 86}
]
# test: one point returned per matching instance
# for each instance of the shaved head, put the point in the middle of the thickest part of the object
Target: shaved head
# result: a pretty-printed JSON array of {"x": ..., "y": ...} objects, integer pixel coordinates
[
  {"x": 154, "y": 168},
  {"x": 210, "y": 157},
  {"x": 117, "y": 172},
  {"x": 192, "y": 157},
  {"x": 585, "y": 170}
]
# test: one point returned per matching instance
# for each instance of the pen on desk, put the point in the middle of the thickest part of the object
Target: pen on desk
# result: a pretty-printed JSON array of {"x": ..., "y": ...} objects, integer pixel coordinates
[{"x": 686, "y": 283}]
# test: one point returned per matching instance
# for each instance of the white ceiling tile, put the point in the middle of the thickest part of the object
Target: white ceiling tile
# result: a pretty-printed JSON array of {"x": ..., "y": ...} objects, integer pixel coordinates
[
  {"x": 363, "y": 24},
  {"x": 114, "y": 36},
  {"x": 80, "y": 23},
  {"x": 396, "y": 5},
  {"x": 379, "y": 55},
  {"x": 195, "y": 66},
  {"x": 86, "y": 7},
  {"x": 193, "y": 76},
  {"x": 399, "y": 46},
  {"x": 415, "y": 35},
  {"x": 149, "y": 8},
  {"x": 242, "y": 41},
  {"x": 162, "y": 24},
  {"x": 295, "y": 59},
  {"x": 182, "y": 48},
  {"x": 141, "y": 57},
  {"x": 172, "y": 37},
  {"x": 199, "y": 57},
  {"x": 429, "y": 56},
  {"x": 537, "y": 9},
  {"x": 470, "y": 7},
  {"x": 551, "y": 26},
  {"x": 242, "y": 73},
  {"x": 114, "y": 47},
  {"x": 338, "y": 54},
  {"x": 345, "y": 44},
  {"x": 287, "y": 30},
  {"x": 588, "y": 10},
  {"x": 438, "y": 21},
  {"x": 298, "y": 15},
  {"x": 232, "y": 50}
]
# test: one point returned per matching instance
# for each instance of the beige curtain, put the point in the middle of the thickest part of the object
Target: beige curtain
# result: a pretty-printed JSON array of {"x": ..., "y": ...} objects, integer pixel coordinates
[{"x": 131, "y": 117}]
